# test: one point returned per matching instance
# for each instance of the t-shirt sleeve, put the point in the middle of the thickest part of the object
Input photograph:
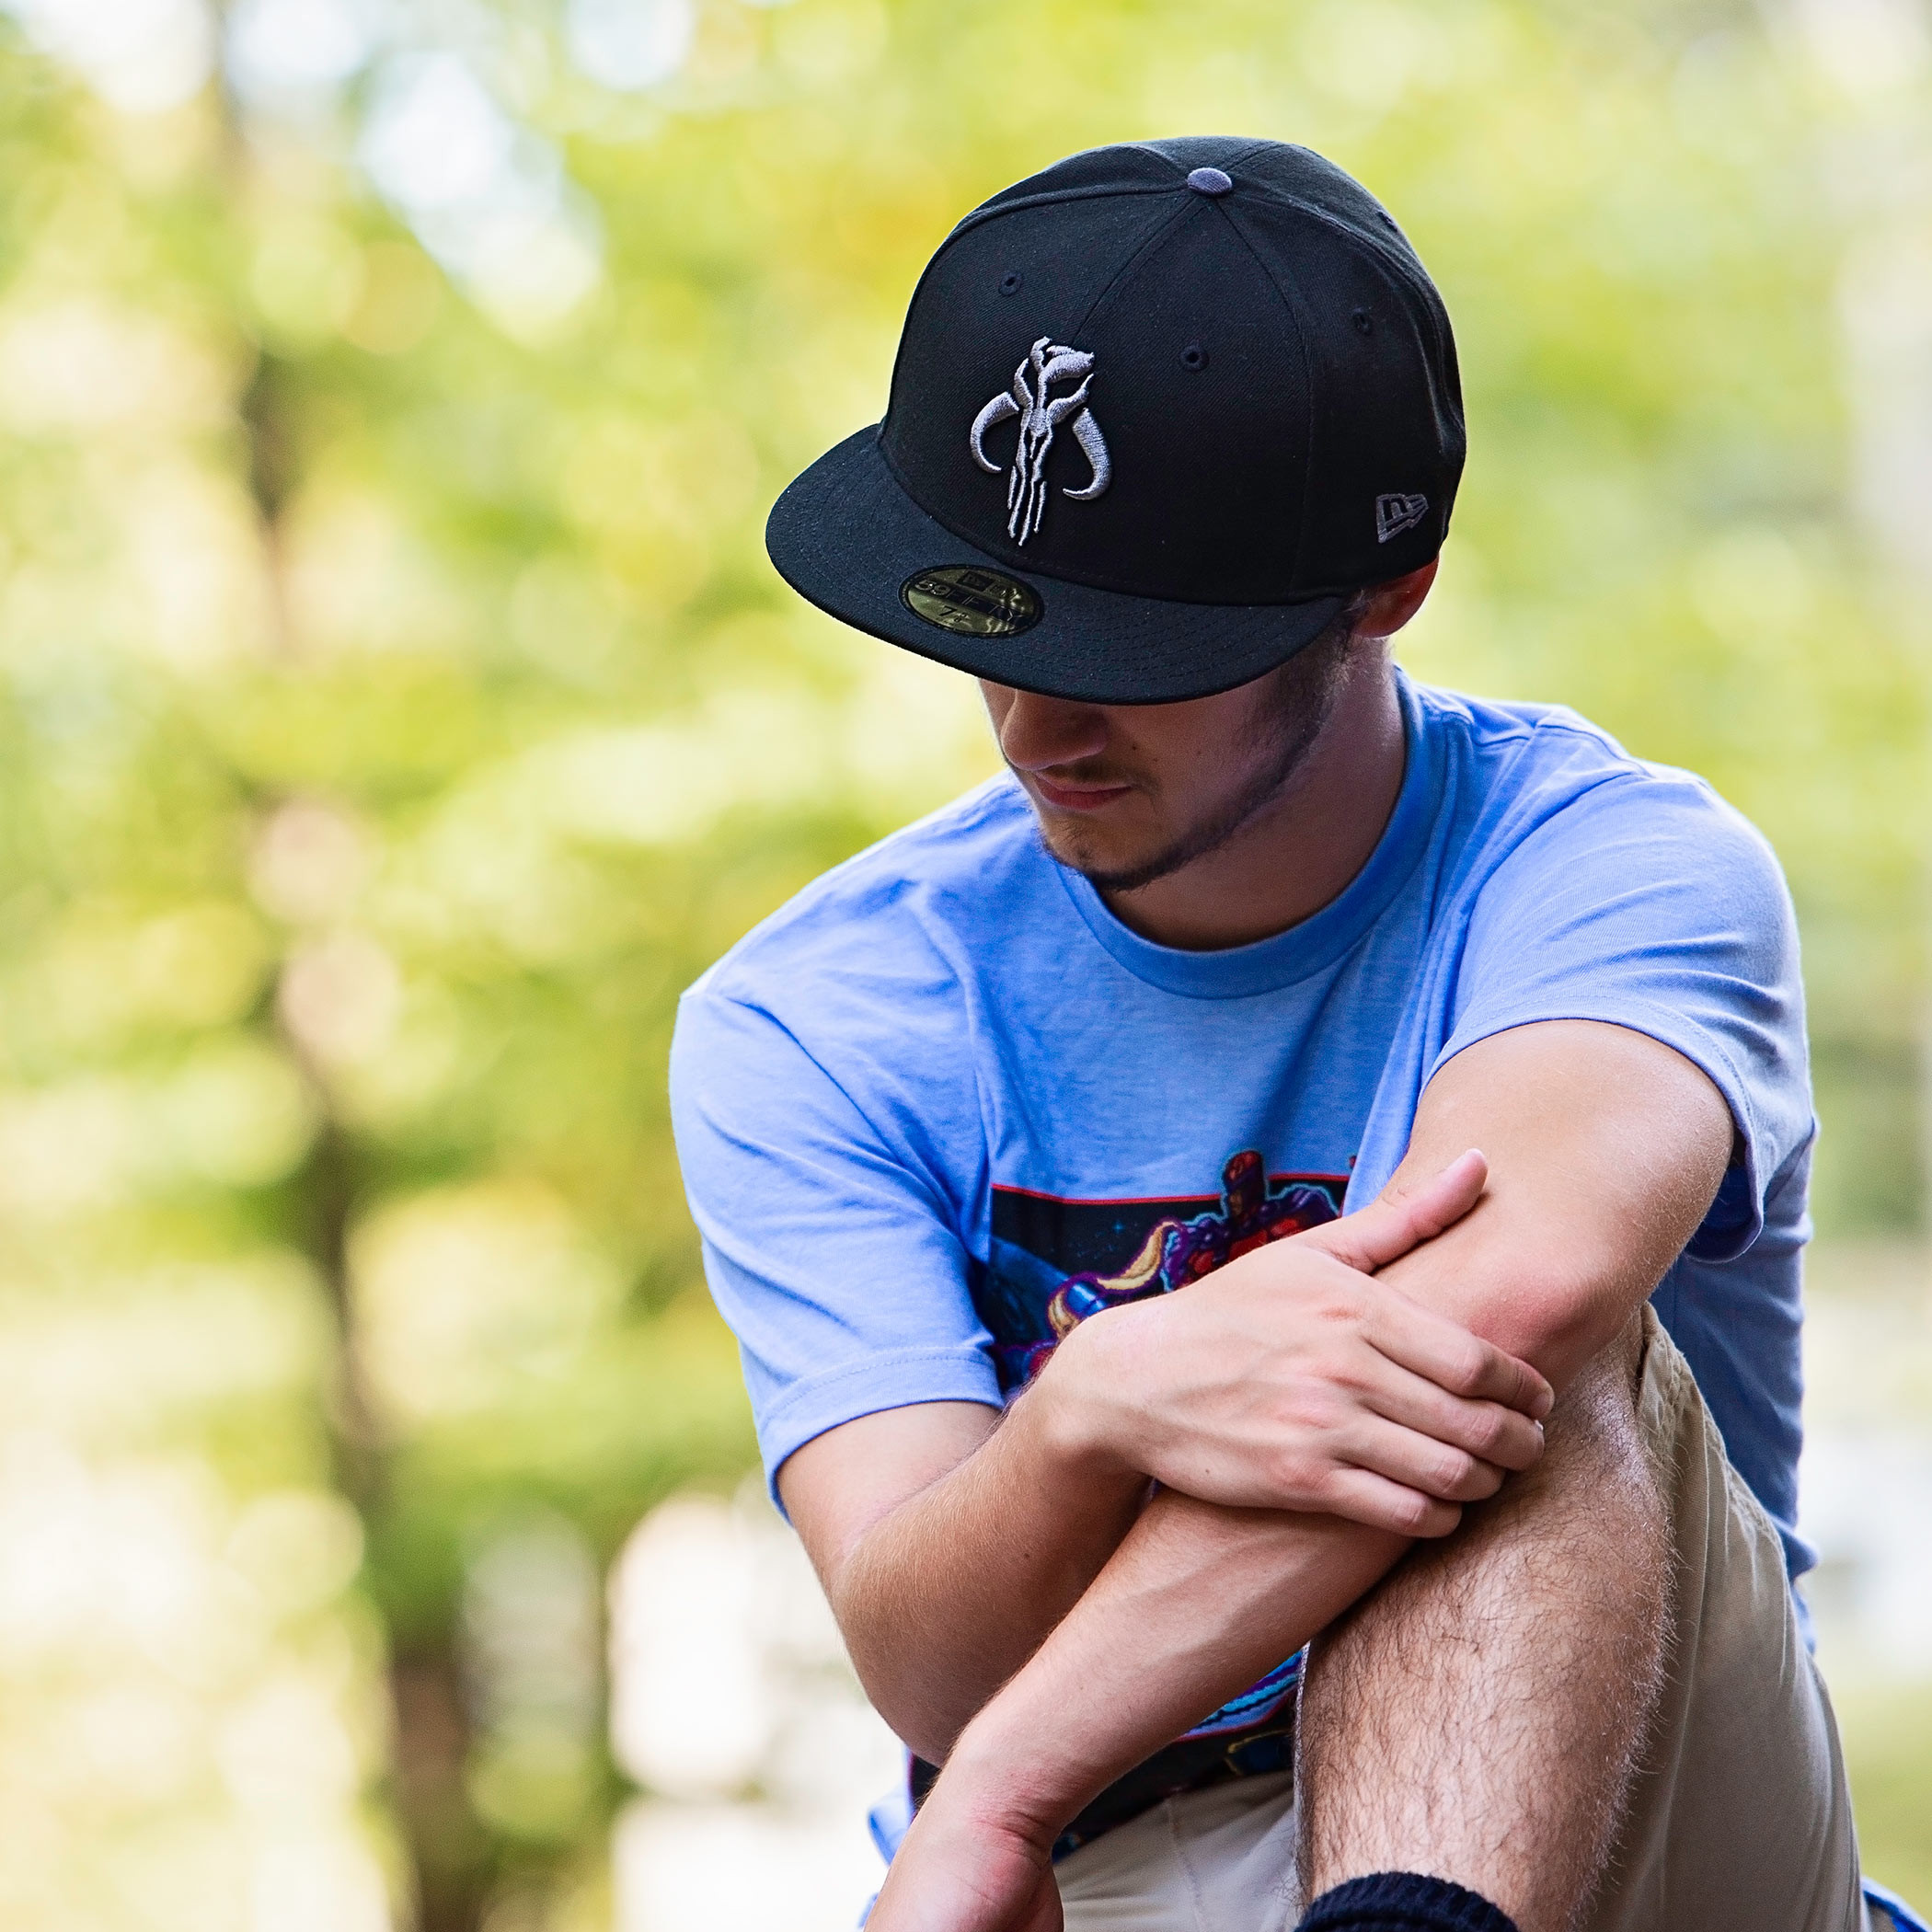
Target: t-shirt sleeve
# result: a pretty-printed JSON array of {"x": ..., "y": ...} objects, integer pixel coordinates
[
  {"x": 830, "y": 1240},
  {"x": 1649, "y": 903}
]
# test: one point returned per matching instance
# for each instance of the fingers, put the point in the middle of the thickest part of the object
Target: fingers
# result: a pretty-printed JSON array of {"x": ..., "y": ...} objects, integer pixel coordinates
[
  {"x": 1415, "y": 1461},
  {"x": 1361, "y": 1496},
  {"x": 1404, "y": 1479},
  {"x": 1421, "y": 1341},
  {"x": 1503, "y": 1437},
  {"x": 1444, "y": 1353},
  {"x": 1389, "y": 1227}
]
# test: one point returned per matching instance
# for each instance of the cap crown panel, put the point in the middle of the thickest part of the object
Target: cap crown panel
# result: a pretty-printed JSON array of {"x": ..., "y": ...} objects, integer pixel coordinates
[
  {"x": 1210, "y": 461},
  {"x": 964, "y": 338},
  {"x": 1371, "y": 335}
]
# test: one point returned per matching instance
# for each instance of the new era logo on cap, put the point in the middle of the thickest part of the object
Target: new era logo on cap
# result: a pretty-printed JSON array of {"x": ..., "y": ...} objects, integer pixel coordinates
[
  {"x": 1144, "y": 417},
  {"x": 1393, "y": 514}
]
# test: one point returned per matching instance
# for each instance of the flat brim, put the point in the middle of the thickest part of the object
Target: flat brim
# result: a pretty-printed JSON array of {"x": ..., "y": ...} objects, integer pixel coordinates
[{"x": 846, "y": 535}]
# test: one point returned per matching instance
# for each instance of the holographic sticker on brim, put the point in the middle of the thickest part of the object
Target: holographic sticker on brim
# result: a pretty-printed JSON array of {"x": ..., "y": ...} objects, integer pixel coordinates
[{"x": 971, "y": 601}]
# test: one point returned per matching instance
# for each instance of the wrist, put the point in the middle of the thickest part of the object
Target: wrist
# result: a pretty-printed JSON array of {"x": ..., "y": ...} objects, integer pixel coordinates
[
  {"x": 1076, "y": 1415},
  {"x": 998, "y": 1781}
]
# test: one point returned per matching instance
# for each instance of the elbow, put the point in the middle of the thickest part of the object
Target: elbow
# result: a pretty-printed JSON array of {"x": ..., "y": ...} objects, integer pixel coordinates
[
  {"x": 924, "y": 1730},
  {"x": 893, "y": 1671},
  {"x": 1559, "y": 1316}
]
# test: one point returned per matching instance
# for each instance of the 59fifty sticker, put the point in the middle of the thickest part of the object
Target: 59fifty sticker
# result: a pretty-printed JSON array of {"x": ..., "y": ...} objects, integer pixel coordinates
[{"x": 971, "y": 601}]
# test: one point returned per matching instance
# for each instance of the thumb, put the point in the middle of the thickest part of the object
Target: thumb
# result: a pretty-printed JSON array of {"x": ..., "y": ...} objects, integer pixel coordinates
[{"x": 1388, "y": 1228}]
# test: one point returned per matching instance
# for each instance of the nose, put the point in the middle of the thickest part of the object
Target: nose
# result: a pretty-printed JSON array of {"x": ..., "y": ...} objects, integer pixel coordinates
[{"x": 1037, "y": 733}]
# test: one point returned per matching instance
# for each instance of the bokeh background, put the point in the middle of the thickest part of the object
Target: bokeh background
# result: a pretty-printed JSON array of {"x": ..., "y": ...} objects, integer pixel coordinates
[{"x": 397, "y": 710}]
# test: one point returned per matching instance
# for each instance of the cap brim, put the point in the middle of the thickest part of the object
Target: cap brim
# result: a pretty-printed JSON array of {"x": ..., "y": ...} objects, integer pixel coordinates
[{"x": 847, "y": 537}]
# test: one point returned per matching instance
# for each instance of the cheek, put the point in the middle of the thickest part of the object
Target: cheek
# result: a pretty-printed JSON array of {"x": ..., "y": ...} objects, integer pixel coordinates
[
  {"x": 1194, "y": 764},
  {"x": 1200, "y": 747}
]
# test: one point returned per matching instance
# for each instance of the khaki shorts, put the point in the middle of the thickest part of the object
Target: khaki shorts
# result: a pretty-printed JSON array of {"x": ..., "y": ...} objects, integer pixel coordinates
[{"x": 1741, "y": 1822}]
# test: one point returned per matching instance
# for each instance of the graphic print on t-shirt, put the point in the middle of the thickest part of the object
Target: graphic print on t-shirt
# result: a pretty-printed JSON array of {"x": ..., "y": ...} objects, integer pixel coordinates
[{"x": 1054, "y": 1262}]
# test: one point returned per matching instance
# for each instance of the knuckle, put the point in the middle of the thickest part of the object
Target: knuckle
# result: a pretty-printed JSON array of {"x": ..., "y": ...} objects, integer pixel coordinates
[
  {"x": 1416, "y": 1513},
  {"x": 1295, "y": 1415},
  {"x": 1317, "y": 1407},
  {"x": 1491, "y": 1431},
  {"x": 1342, "y": 1370},
  {"x": 1299, "y": 1476}
]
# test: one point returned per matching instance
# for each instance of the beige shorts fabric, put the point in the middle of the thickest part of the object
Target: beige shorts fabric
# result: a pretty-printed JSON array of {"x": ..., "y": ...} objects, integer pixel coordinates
[{"x": 1740, "y": 1822}]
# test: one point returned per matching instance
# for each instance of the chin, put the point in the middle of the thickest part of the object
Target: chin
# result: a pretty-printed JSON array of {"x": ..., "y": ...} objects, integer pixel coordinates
[{"x": 1082, "y": 849}]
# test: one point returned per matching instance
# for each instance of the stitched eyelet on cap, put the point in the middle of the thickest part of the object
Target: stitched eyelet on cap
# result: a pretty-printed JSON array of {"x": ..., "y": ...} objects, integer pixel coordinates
[
  {"x": 1364, "y": 322},
  {"x": 1193, "y": 358},
  {"x": 1011, "y": 281}
]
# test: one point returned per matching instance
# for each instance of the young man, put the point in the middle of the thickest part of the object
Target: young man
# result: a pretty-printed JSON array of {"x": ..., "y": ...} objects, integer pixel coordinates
[{"x": 1266, "y": 1603}]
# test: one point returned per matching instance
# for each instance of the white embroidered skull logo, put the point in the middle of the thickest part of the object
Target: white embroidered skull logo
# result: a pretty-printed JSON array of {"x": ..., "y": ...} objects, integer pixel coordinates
[{"x": 1040, "y": 412}]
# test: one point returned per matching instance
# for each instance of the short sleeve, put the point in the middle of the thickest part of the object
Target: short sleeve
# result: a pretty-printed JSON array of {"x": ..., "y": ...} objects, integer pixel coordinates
[
  {"x": 830, "y": 1245},
  {"x": 1646, "y": 902}
]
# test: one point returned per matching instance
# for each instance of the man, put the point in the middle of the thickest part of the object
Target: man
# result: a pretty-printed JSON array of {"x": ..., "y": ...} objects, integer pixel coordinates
[{"x": 1156, "y": 1372}]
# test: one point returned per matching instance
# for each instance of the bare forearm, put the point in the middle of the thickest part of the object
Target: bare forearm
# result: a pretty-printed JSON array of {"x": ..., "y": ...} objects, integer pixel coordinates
[
  {"x": 1198, "y": 1602},
  {"x": 1596, "y": 1181},
  {"x": 944, "y": 1598}
]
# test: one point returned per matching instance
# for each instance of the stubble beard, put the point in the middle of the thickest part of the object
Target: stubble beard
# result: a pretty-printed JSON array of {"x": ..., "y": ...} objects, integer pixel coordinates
[{"x": 1284, "y": 730}]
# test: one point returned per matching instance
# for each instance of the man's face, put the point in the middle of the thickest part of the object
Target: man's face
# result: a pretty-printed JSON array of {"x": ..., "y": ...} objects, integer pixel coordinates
[{"x": 1129, "y": 793}]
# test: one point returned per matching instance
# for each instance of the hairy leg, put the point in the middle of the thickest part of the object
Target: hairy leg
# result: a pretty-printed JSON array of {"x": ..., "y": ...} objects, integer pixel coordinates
[{"x": 1479, "y": 1717}]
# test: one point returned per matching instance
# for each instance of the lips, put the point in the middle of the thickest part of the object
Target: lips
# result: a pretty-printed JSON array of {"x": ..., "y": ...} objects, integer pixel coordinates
[{"x": 1078, "y": 798}]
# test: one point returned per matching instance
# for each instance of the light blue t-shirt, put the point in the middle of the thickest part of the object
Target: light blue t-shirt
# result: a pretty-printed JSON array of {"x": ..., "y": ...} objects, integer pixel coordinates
[{"x": 944, "y": 1104}]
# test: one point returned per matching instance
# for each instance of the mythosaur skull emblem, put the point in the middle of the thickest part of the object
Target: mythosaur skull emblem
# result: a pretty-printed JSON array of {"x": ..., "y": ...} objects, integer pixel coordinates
[{"x": 1040, "y": 412}]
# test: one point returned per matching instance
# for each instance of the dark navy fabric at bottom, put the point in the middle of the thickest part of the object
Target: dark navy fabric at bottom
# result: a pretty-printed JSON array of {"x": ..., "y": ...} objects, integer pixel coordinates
[{"x": 1403, "y": 1902}]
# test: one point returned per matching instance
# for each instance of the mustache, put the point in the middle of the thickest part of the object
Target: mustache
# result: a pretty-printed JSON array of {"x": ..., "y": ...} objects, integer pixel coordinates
[{"x": 1090, "y": 771}]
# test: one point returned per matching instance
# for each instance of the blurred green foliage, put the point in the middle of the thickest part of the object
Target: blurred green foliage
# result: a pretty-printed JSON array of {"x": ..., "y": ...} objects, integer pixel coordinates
[{"x": 396, "y": 711}]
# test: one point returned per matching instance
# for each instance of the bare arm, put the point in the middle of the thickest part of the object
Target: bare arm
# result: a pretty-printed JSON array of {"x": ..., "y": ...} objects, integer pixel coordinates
[
  {"x": 1605, "y": 1149},
  {"x": 950, "y": 1542}
]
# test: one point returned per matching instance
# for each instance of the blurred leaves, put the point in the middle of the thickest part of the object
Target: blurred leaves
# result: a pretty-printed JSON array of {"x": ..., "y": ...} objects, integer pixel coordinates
[{"x": 397, "y": 710}]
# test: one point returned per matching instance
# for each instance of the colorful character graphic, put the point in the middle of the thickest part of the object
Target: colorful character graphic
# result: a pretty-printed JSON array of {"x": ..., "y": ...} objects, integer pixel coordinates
[
  {"x": 1178, "y": 1252},
  {"x": 1177, "y": 1249}
]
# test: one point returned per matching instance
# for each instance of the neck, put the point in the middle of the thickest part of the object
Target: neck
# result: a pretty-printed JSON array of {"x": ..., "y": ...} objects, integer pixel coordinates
[{"x": 1304, "y": 847}]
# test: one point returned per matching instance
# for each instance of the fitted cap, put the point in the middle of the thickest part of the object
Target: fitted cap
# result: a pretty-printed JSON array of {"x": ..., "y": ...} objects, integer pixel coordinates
[{"x": 1157, "y": 412}]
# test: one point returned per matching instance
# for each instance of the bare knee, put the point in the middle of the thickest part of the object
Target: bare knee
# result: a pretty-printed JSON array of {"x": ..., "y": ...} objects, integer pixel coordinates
[
  {"x": 1481, "y": 1713},
  {"x": 1595, "y": 1475},
  {"x": 1587, "y": 1527},
  {"x": 1597, "y": 1416}
]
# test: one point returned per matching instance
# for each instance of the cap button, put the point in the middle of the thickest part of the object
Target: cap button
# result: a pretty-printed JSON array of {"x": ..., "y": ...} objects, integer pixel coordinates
[{"x": 1209, "y": 180}]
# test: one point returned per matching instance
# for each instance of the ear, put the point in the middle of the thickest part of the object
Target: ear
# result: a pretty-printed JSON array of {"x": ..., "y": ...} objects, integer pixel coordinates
[{"x": 1392, "y": 604}]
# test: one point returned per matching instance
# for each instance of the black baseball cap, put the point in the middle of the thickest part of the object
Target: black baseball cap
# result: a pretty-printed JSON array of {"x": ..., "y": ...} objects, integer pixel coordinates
[{"x": 1158, "y": 412}]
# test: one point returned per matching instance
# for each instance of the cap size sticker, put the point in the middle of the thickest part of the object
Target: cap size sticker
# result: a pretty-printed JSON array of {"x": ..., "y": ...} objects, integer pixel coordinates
[{"x": 971, "y": 601}]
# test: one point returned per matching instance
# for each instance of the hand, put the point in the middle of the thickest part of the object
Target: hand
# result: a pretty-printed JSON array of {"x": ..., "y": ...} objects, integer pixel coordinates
[
  {"x": 962, "y": 1873},
  {"x": 1292, "y": 1379}
]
